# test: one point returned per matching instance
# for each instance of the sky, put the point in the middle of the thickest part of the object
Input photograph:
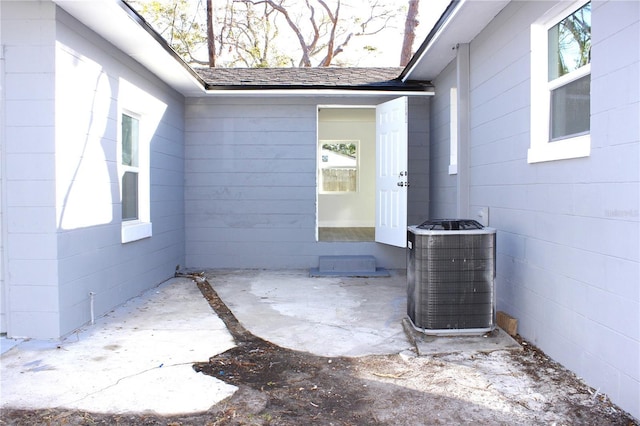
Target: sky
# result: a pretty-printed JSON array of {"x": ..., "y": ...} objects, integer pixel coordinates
[{"x": 390, "y": 43}]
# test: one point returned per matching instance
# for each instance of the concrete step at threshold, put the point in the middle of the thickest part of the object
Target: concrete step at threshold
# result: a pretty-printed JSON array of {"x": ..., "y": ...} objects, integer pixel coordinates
[{"x": 348, "y": 266}]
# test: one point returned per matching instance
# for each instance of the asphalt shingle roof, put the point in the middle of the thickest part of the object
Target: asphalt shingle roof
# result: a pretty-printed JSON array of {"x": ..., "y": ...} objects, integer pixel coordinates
[{"x": 307, "y": 78}]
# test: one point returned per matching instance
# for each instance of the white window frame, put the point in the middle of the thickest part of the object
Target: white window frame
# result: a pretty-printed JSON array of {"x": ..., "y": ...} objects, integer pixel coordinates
[
  {"x": 541, "y": 147},
  {"x": 134, "y": 230},
  {"x": 453, "y": 131}
]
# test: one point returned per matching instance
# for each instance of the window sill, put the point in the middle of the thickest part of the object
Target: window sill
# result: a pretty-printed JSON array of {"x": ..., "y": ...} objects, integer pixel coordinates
[
  {"x": 577, "y": 147},
  {"x": 135, "y": 230}
]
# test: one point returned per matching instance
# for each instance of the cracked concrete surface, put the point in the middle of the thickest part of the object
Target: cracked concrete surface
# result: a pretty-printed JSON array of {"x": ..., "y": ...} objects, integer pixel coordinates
[
  {"x": 136, "y": 358},
  {"x": 329, "y": 316}
]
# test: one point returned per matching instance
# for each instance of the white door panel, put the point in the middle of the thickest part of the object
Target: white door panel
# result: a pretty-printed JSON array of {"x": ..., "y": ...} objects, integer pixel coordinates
[{"x": 391, "y": 172}]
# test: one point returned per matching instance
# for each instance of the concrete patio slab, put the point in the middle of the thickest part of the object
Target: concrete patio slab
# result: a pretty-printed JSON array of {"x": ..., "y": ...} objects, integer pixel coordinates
[
  {"x": 138, "y": 358},
  {"x": 330, "y": 316},
  {"x": 336, "y": 316}
]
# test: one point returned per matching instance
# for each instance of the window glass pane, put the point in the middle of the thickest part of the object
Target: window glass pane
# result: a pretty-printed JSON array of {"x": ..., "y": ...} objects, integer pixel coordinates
[
  {"x": 130, "y": 196},
  {"x": 339, "y": 180},
  {"x": 570, "y": 108},
  {"x": 129, "y": 141},
  {"x": 339, "y": 167},
  {"x": 570, "y": 43}
]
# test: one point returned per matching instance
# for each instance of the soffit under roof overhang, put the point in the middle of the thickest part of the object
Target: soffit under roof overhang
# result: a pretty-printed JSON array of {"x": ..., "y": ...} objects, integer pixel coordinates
[
  {"x": 460, "y": 23},
  {"x": 123, "y": 27},
  {"x": 117, "y": 23}
]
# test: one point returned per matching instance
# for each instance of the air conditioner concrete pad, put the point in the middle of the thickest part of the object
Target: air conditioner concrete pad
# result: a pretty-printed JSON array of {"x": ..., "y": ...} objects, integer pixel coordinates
[{"x": 426, "y": 344}]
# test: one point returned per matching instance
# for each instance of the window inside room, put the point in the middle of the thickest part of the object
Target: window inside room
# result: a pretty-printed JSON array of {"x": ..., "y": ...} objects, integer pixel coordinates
[{"x": 338, "y": 165}]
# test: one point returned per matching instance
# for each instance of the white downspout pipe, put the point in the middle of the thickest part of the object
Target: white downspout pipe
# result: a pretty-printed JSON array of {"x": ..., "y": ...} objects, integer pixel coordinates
[
  {"x": 91, "y": 304},
  {"x": 5, "y": 307},
  {"x": 463, "y": 83}
]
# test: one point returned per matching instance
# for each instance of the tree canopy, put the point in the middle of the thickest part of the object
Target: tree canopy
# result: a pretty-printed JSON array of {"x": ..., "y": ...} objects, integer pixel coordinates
[{"x": 279, "y": 33}]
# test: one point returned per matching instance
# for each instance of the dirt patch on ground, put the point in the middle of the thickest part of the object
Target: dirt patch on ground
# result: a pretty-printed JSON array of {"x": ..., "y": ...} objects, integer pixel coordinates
[{"x": 278, "y": 386}]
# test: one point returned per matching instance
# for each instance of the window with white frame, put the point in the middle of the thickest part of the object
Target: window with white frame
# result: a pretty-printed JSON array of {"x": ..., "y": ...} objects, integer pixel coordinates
[
  {"x": 130, "y": 167},
  {"x": 134, "y": 180},
  {"x": 561, "y": 84},
  {"x": 453, "y": 131},
  {"x": 338, "y": 166}
]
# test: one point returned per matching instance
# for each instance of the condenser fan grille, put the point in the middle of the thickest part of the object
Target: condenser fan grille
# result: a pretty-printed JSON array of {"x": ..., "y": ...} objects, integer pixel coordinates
[{"x": 451, "y": 276}]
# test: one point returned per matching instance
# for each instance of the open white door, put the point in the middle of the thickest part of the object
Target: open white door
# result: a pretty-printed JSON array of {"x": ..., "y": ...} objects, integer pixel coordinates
[{"x": 391, "y": 172}]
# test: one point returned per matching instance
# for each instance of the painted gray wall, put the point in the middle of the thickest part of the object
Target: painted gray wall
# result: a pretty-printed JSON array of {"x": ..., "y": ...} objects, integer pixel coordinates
[
  {"x": 443, "y": 185},
  {"x": 568, "y": 230},
  {"x": 250, "y": 178},
  {"x": 31, "y": 276},
  {"x": 63, "y": 98},
  {"x": 419, "y": 162}
]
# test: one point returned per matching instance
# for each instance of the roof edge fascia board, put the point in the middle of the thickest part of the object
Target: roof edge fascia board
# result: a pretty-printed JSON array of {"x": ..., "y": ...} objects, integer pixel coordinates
[
  {"x": 99, "y": 15},
  {"x": 316, "y": 92},
  {"x": 139, "y": 19},
  {"x": 198, "y": 85},
  {"x": 444, "y": 20}
]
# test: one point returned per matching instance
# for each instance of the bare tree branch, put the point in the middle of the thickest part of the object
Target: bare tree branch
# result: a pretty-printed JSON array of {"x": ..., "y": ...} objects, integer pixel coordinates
[
  {"x": 330, "y": 45},
  {"x": 306, "y": 61},
  {"x": 316, "y": 30},
  {"x": 250, "y": 32}
]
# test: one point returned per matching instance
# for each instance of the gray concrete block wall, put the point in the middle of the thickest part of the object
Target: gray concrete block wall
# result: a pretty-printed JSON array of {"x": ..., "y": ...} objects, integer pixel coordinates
[
  {"x": 443, "y": 185},
  {"x": 28, "y": 31},
  {"x": 250, "y": 176},
  {"x": 616, "y": 147},
  {"x": 419, "y": 154},
  {"x": 568, "y": 230},
  {"x": 63, "y": 208},
  {"x": 93, "y": 258}
]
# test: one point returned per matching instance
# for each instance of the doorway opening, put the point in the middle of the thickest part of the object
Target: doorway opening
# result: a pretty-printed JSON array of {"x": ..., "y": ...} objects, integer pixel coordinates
[
  {"x": 362, "y": 167},
  {"x": 346, "y": 171}
]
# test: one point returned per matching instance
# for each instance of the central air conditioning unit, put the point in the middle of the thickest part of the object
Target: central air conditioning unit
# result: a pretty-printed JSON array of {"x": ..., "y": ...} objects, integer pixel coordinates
[{"x": 451, "y": 272}]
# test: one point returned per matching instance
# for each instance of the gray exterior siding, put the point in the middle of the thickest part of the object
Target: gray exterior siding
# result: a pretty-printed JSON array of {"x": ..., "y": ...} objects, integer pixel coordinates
[
  {"x": 27, "y": 116},
  {"x": 233, "y": 184},
  {"x": 251, "y": 183},
  {"x": 113, "y": 270},
  {"x": 443, "y": 185},
  {"x": 568, "y": 230},
  {"x": 419, "y": 160},
  {"x": 63, "y": 215}
]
